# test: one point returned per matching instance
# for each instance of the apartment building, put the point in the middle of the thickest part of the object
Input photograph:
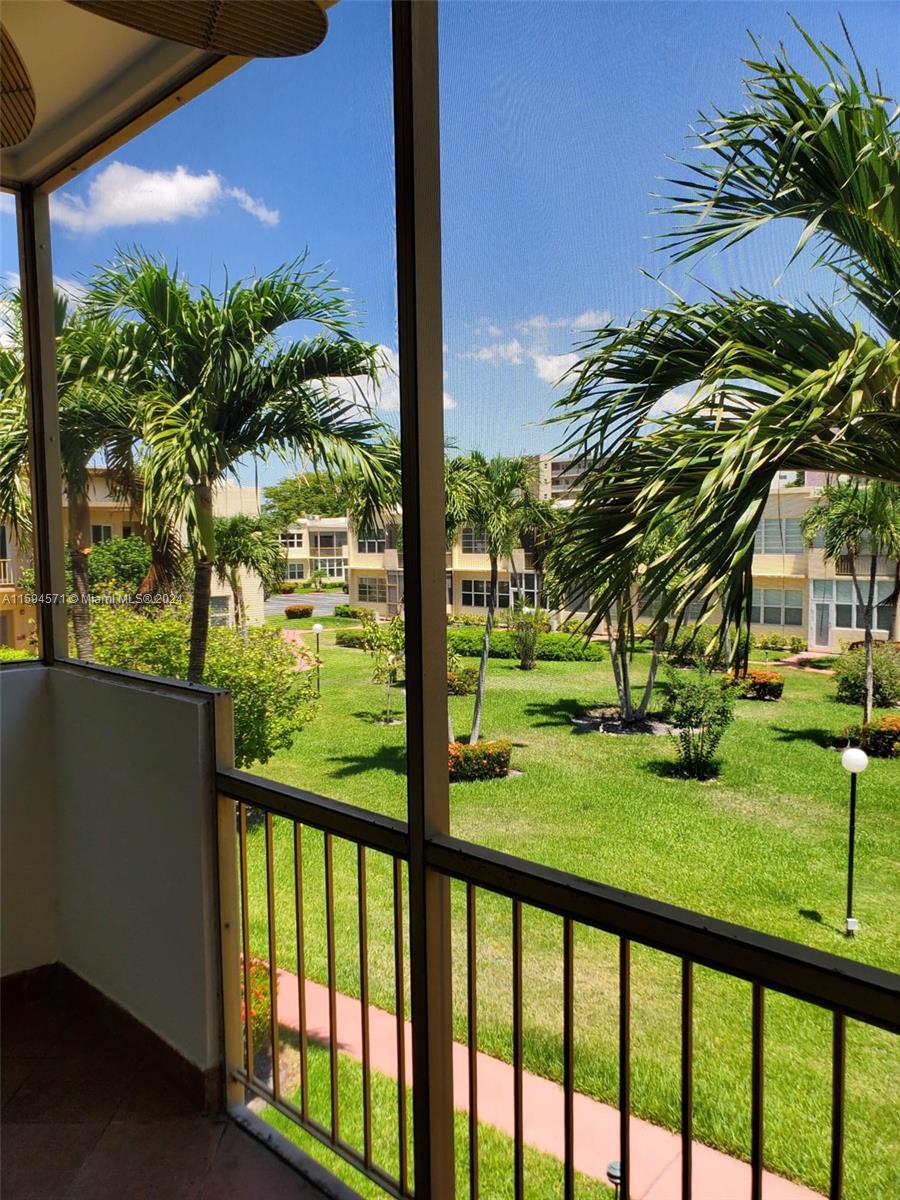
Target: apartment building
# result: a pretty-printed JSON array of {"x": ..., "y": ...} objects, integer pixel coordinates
[
  {"x": 557, "y": 478},
  {"x": 796, "y": 591},
  {"x": 314, "y": 544},
  {"x": 112, "y": 517}
]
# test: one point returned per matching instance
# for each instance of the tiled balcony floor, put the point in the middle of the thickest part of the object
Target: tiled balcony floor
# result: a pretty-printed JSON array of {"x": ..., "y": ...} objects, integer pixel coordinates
[{"x": 84, "y": 1120}]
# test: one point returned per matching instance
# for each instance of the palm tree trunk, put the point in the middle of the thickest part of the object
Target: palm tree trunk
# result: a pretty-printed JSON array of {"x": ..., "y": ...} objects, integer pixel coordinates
[
  {"x": 614, "y": 659},
  {"x": 659, "y": 640},
  {"x": 869, "y": 642},
  {"x": 450, "y": 735},
  {"x": 203, "y": 569},
  {"x": 79, "y": 549},
  {"x": 237, "y": 595},
  {"x": 485, "y": 653},
  {"x": 895, "y": 611},
  {"x": 625, "y": 668}
]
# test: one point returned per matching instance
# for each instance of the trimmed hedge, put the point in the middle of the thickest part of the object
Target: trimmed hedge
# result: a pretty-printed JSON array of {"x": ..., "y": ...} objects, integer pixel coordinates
[
  {"x": 551, "y": 647},
  {"x": 880, "y": 738},
  {"x": 353, "y": 639},
  {"x": 758, "y": 684},
  {"x": 347, "y": 610},
  {"x": 850, "y": 672},
  {"x": 484, "y": 760},
  {"x": 295, "y": 612}
]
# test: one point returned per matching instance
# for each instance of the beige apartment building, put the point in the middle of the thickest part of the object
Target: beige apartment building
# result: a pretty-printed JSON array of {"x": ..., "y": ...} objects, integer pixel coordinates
[
  {"x": 796, "y": 592},
  {"x": 314, "y": 544},
  {"x": 112, "y": 517}
]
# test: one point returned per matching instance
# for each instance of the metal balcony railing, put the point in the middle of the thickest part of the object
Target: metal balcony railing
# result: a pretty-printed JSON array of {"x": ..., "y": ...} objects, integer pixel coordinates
[{"x": 846, "y": 989}]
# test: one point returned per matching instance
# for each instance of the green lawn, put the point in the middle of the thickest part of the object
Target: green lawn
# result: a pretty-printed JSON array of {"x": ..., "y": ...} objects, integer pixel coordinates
[
  {"x": 543, "y": 1174},
  {"x": 763, "y": 845},
  {"x": 306, "y": 623}
]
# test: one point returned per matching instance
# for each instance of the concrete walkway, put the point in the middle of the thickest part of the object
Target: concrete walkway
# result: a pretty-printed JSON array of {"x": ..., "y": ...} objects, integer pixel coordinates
[{"x": 655, "y": 1152}]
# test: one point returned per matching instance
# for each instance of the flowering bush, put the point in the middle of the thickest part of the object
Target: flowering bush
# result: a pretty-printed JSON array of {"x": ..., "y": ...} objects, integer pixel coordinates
[
  {"x": 484, "y": 760},
  {"x": 701, "y": 709},
  {"x": 260, "y": 1004},
  {"x": 757, "y": 685},
  {"x": 880, "y": 738},
  {"x": 462, "y": 682},
  {"x": 295, "y": 611}
]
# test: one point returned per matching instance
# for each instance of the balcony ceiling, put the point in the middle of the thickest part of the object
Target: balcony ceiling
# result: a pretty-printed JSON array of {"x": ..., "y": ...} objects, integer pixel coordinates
[{"x": 95, "y": 83}]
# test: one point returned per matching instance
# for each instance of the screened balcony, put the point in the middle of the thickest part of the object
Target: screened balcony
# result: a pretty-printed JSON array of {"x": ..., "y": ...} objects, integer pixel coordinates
[{"x": 163, "y": 1031}]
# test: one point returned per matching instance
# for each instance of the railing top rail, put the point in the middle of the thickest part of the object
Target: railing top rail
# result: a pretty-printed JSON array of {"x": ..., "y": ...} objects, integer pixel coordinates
[
  {"x": 829, "y": 980},
  {"x": 332, "y": 816}
]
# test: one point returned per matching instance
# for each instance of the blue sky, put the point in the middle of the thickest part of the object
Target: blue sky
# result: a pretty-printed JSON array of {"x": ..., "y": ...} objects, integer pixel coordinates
[{"x": 557, "y": 120}]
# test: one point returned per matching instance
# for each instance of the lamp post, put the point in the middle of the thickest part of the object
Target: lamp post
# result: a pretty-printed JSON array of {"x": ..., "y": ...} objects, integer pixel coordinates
[
  {"x": 614, "y": 1175},
  {"x": 317, "y": 630},
  {"x": 854, "y": 761}
]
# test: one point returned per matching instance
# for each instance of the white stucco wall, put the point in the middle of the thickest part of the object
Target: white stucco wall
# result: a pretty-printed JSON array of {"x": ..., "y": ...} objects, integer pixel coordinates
[
  {"x": 109, "y": 837},
  {"x": 28, "y": 850}
]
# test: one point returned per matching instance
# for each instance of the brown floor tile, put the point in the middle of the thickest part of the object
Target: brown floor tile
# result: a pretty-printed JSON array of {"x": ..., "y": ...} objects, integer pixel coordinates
[
  {"x": 69, "y": 1090},
  {"x": 245, "y": 1167},
  {"x": 13, "y": 1073},
  {"x": 153, "y": 1097},
  {"x": 135, "y": 1161},
  {"x": 41, "y": 1160},
  {"x": 31, "y": 1030}
]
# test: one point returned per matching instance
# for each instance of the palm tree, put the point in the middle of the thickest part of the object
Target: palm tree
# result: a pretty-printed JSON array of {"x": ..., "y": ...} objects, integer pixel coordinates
[
  {"x": 97, "y": 408},
  {"x": 252, "y": 544},
  {"x": 497, "y": 498},
  {"x": 855, "y": 518},
  {"x": 762, "y": 385},
  {"x": 224, "y": 387}
]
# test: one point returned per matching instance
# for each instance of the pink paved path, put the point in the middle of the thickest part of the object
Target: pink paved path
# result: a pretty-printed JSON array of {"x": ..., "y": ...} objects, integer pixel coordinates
[{"x": 655, "y": 1152}]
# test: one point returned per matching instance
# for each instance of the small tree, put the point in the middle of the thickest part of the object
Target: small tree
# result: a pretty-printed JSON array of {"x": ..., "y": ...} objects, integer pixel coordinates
[
  {"x": 386, "y": 642},
  {"x": 701, "y": 707},
  {"x": 120, "y": 563},
  {"x": 525, "y": 627},
  {"x": 855, "y": 518},
  {"x": 251, "y": 544}
]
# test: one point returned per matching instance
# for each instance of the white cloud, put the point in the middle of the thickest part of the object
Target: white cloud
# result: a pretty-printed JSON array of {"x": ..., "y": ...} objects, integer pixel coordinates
[
  {"x": 383, "y": 394},
  {"x": 511, "y": 352},
  {"x": 71, "y": 288},
  {"x": 449, "y": 402},
  {"x": 551, "y": 367},
  {"x": 125, "y": 195},
  {"x": 256, "y": 208},
  {"x": 671, "y": 402},
  {"x": 591, "y": 318}
]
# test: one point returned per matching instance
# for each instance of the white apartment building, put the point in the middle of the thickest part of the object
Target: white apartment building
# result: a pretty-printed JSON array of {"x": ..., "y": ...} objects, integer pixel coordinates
[{"x": 315, "y": 544}]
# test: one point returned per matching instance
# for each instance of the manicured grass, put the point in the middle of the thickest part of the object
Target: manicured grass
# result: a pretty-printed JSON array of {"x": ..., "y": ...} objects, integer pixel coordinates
[
  {"x": 763, "y": 845},
  {"x": 306, "y": 623},
  {"x": 543, "y": 1174}
]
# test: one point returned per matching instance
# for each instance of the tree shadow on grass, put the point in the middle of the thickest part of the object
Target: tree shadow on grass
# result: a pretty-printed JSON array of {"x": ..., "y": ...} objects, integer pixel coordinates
[
  {"x": 819, "y": 737},
  {"x": 667, "y": 768},
  {"x": 813, "y": 914},
  {"x": 557, "y": 714},
  {"x": 385, "y": 758}
]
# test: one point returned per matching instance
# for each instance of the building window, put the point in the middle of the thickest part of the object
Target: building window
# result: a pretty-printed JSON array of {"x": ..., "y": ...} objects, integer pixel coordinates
[
  {"x": 529, "y": 591},
  {"x": 475, "y": 593},
  {"x": 130, "y": 531},
  {"x": 372, "y": 590},
  {"x": 450, "y": 588},
  {"x": 371, "y": 542},
  {"x": 774, "y": 606},
  {"x": 328, "y": 541},
  {"x": 291, "y": 541},
  {"x": 100, "y": 533},
  {"x": 474, "y": 541},
  {"x": 294, "y": 570},
  {"x": 218, "y": 610},
  {"x": 332, "y": 567},
  {"x": 775, "y": 535},
  {"x": 850, "y": 614}
]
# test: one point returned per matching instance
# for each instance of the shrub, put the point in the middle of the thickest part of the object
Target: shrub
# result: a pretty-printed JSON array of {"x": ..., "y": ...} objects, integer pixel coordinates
[
  {"x": 701, "y": 709},
  {"x": 484, "y": 760},
  {"x": 880, "y": 738},
  {"x": 121, "y": 563},
  {"x": 463, "y": 682},
  {"x": 260, "y": 1005},
  {"x": 295, "y": 612},
  {"x": 287, "y": 589},
  {"x": 757, "y": 685},
  {"x": 850, "y": 672},
  {"x": 798, "y": 644},
  {"x": 550, "y": 647},
  {"x": 525, "y": 629},
  {"x": 272, "y": 700},
  {"x": 351, "y": 639},
  {"x": 11, "y": 654},
  {"x": 698, "y": 645},
  {"x": 347, "y": 610}
]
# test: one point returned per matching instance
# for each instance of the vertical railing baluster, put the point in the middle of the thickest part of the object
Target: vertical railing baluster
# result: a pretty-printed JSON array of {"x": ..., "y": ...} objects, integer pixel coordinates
[
  {"x": 472, "y": 1020},
  {"x": 364, "y": 1001},
  {"x": 838, "y": 1086},
  {"x": 687, "y": 1077},
  {"x": 301, "y": 969},
  {"x": 401, "y": 1025},
  {"x": 757, "y": 1070},
  {"x": 625, "y": 1067},
  {"x": 245, "y": 939},
  {"x": 518, "y": 1113},
  {"x": 273, "y": 960},
  {"x": 569, "y": 1058},
  {"x": 332, "y": 990}
]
